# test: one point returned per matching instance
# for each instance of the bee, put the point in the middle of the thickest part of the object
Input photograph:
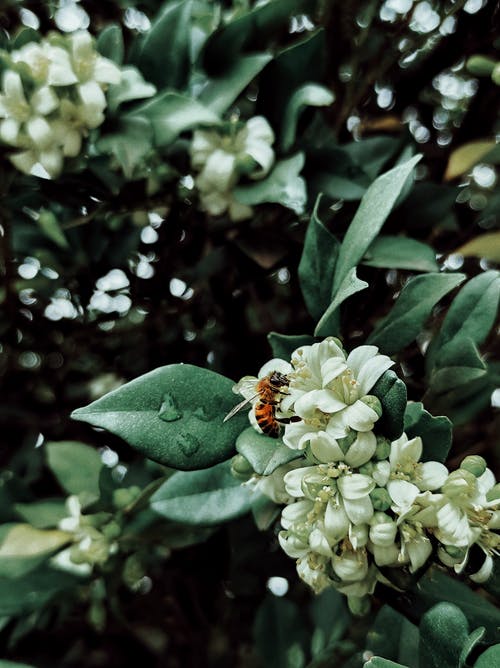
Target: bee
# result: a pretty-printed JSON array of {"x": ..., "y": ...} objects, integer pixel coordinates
[{"x": 269, "y": 391}]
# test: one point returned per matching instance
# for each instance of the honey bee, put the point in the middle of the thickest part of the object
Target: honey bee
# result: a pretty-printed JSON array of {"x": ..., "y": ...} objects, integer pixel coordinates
[{"x": 269, "y": 391}]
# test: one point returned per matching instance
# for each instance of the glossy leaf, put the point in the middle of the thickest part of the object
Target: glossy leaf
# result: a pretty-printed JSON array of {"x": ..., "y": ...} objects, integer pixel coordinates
[
  {"x": 317, "y": 265},
  {"x": 308, "y": 95},
  {"x": 110, "y": 43},
  {"x": 372, "y": 213},
  {"x": 171, "y": 113},
  {"x": 401, "y": 253},
  {"x": 329, "y": 321},
  {"x": 471, "y": 316},
  {"x": 412, "y": 308},
  {"x": 444, "y": 629},
  {"x": 283, "y": 345},
  {"x": 172, "y": 415},
  {"x": 391, "y": 392},
  {"x": 485, "y": 246},
  {"x": 220, "y": 92},
  {"x": 283, "y": 186},
  {"x": 264, "y": 453},
  {"x": 164, "y": 54},
  {"x": 436, "y": 432},
  {"x": 208, "y": 497},
  {"x": 76, "y": 466}
]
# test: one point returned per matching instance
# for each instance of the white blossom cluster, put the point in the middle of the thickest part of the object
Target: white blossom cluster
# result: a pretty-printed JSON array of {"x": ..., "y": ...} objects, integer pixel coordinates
[
  {"x": 223, "y": 155},
  {"x": 53, "y": 93},
  {"x": 356, "y": 503}
]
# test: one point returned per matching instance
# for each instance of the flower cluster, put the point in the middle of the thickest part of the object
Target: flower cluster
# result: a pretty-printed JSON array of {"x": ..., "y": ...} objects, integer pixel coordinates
[
  {"x": 223, "y": 155},
  {"x": 53, "y": 93},
  {"x": 357, "y": 503}
]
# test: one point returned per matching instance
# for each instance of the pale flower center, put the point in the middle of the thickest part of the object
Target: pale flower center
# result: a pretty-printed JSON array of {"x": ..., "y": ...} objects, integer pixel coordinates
[{"x": 345, "y": 387}]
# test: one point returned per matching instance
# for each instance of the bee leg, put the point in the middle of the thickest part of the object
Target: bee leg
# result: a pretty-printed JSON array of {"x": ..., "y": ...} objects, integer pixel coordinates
[{"x": 294, "y": 418}]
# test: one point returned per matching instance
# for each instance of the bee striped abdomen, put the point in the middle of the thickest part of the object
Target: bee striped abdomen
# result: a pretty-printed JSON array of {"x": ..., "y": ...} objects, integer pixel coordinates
[{"x": 264, "y": 415}]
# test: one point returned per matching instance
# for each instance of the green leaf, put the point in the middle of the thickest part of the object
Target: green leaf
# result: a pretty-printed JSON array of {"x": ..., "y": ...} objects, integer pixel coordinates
[
  {"x": 391, "y": 392},
  {"x": 42, "y": 514},
  {"x": 110, "y": 43},
  {"x": 77, "y": 468},
  {"x": 329, "y": 321},
  {"x": 436, "y": 432},
  {"x": 412, "y": 308},
  {"x": 13, "y": 664},
  {"x": 171, "y": 113},
  {"x": 265, "y": 512},
  {"x": 131, "y": 87},
  {"x": 401, "y": 253},
  {"x": 189, "y": 434},
  {"x": 283, "y": 345},
  {"x": 283, "y": 186},
  {"x": 471, "y": 316},
  {"x": 463, "y": 158},
  {"x": 485, "y": 246},
  {"x": 317, "y": 265},
  {"x": 23, "y": 548},
  {"x": 49, "y": 224},
  {"x": 444, "y": 629},
  {"x": 165, "y": 52},
  {"x": 307, "y": 95},
  {"x": 474, "y": 638},
  {"x": 130, "y": 144},
  {"x": 459, "y": 352},
  {"x": 372, "y": 153},
  {"x": 33, "y": 591},
  {"x": 25, "y": 36},
  {"x": 279, "y": 633},
  {"x": 264, "y": 453},
  {"x": 378, "y": 640},
  {"x": 436, "y": 586},
  {"x": 372, "y": 213},
  {"x": 208, "y": 497},
  {"x": 220, "y": 92},
  {"x": 490, "y": 658},
  {"x": 380, "y": 662},
  {"x": 452, "y": 377},
  {"x": 329, "y": 614}
]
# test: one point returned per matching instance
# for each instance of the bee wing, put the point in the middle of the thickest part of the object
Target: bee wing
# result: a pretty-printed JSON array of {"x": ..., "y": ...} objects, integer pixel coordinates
[{"x": 238, "y": 407}]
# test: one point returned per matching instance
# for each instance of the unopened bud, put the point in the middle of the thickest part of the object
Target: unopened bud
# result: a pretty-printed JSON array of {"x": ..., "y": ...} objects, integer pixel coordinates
[
  {"x": 373, "y": 402},
  {"x": 460, "y": 484},
  {"x": 494, "y": 493},
  {"x": 480, "y": 66},
  {"x": 495, "y": 75},
  {"x": 359, "y": 606},
  {"x": 367, "y": 469},
  {"x": 456, "y": 552},
  {"x": 380, "y": 499},
  {"x": 346, "y": 442},
  {"x": 241, "y": 467},
  {"x": 383, "y": 449},
  {"x": 474, "y": 464}
]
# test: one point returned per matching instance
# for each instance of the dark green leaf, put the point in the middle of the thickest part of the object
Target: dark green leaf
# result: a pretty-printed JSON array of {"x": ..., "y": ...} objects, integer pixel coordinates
[
  {"x": 412, "y": 308},
  {"x": 25, "y": 36},
  {"x": 220, "y": 92},
  {"x": 77, "y": 468},
  {"x": 489, "y": 658},
  {"x": 164, "y": 54},
  {"x": 130, "y": 144},
  {"x": 453, "y": 377},
  {"x": 265, "y": 512},
  {"x": 372, "y": 153},
  {"x": 471, "y": 315},
  {"x": 280, "y": 634},
  {"x": 206, "y": 497},
  {"x": 264, "y": 453},
  {"x": 283, "y": 345},
  {"x": 391, "y": 392},
  {"x": 444, "y": 629},
  {"x": 283, "y": 186},
  {"x": 401, "y": 253},
  {"x": 13, "y": 664},
  {"x": 195, "y": 440},
  {"x": 380, "y": 662},
  {"x": 372, "y": 213},
  {"x": 33, "y": 591},
  {"x": 110, "y": 43},
  {"x": 172, "y": 113},
  {"x": 307, "y": 95},
  {"x": 330, "y": 617},
  {"x": 474, "y": 638},
  {"x": 436, "y": 432},
  {"x": 329, "y": 321},
  {"x": 378, "y": 640},
  {"x": 317, "y": 265},
  {"x": 459, "y": 352}
]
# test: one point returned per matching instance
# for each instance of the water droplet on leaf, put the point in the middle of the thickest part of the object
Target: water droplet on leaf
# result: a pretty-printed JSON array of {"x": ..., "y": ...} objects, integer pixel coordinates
[
  {"x": 169, "y": 410},
  {"x": 188, "y": 443},
  {"x": 201, "y": 414}
]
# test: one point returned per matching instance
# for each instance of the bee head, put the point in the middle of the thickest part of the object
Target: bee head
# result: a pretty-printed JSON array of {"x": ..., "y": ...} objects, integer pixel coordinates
[{"x": 278, "y": 379}]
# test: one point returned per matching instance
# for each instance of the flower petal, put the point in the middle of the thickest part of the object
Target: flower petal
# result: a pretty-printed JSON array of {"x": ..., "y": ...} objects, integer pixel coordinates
[
  {"x": 432, "y": 476},
  {"x": 359, "y": 416},
  {"x": 359, "y": 511},
  {"x": 371, "y": 371},
  {"x": 336, "y": 522},
  {"x": 325, "y": 449},
  {"x": 362, "y": 450},
  {"x": 402, "y": 492}
]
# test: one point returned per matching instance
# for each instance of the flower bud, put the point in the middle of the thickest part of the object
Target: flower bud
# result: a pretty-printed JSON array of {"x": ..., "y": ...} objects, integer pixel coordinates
[
  {"x": 133, "y": 570},
  {"x": 383, "y": 449},
  {"x": 373, "y": 402},
  {"x": 358, "y": 535},
  {"x": 350, "y": 566},
  {"x": 366, "y": 469},
  {"x": 383, "y": 530},
  {"x": 124, "y": 496},
  {"x": 111, "y": 530},
  {"x": 460, "y": 484},
  {"x": 456, "y": 552},
  {"x": 474, "y": 464},
  {"x": 241, "y": 468},
  {"x": 359, "y": 606},
  {"x": 346, "y": 442},
  {"x": 494, "y": 493},
  {"x": 381, "y": 499},
  {"x": 495, "y": 75},
  {"x": 480, "y": 66}
]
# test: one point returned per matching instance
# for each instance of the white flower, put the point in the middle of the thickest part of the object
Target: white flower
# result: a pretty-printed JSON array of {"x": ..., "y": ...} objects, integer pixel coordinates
[
  {"x": 329, "y": 391},
  {"x": 88, "y": 64},
  {"x": 48, "y": 63},
  {"x": 222, "y": 157}
]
